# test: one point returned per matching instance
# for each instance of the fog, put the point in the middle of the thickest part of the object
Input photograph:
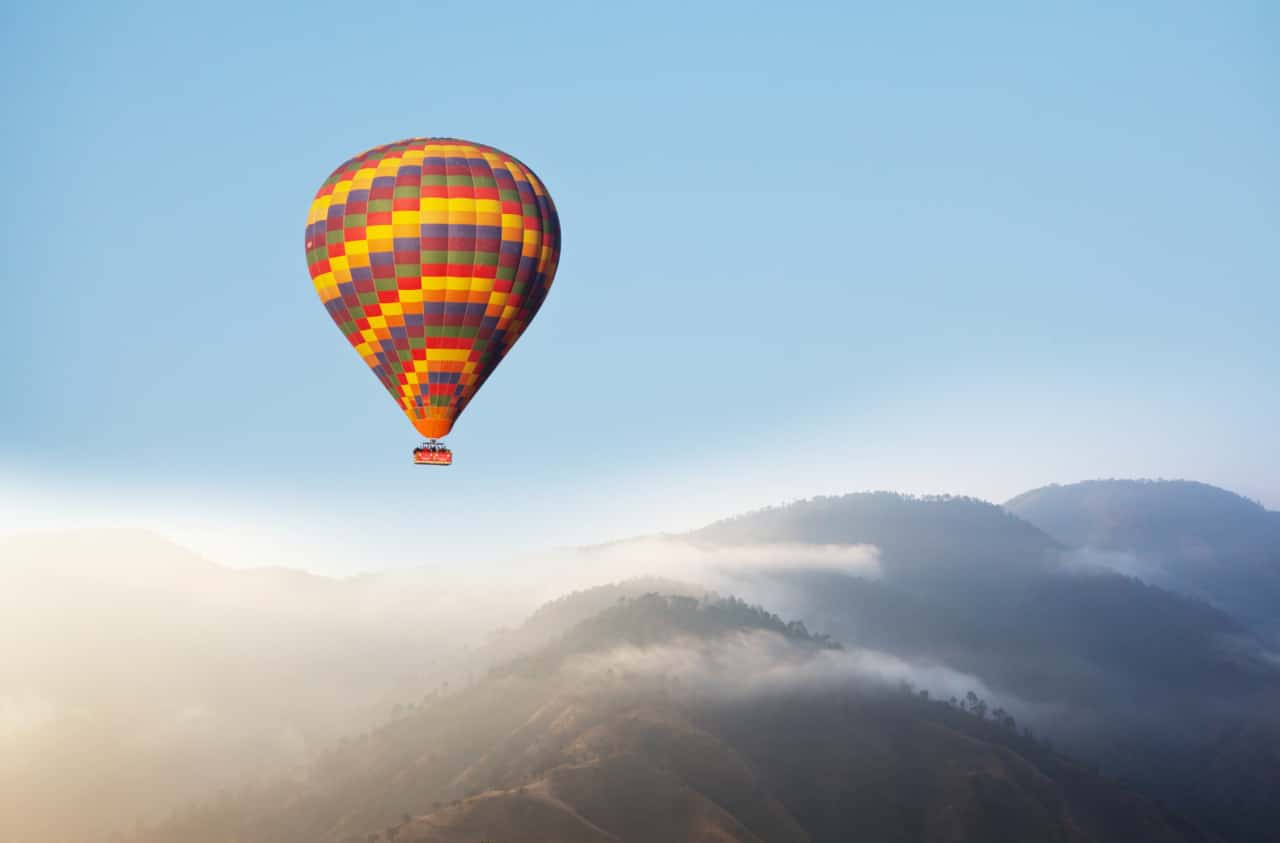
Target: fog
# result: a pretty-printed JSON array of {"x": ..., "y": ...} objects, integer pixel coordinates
[
  {"x": 1094, "y": 561},
  {"x": 138, "y": 678},
  {"x": 710, "y": 564},
  {"x": 123, "y": 651},
  {"x": 757, "y": 662}
]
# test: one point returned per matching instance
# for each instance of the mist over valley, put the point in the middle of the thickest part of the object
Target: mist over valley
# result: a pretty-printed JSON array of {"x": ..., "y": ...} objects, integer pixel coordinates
[{"x": 925, "y": 663}]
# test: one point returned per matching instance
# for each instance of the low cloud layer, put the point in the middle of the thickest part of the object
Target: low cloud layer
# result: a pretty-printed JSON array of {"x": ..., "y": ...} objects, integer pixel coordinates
[
  {"x": 714, "y": 566},
  {"x": 760, "y": 662},
  {"x": 1088, "y": 560}
]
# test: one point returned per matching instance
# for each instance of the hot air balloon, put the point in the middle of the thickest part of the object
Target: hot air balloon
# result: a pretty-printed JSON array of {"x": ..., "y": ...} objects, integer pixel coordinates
[{"x": 432, "y": 255}]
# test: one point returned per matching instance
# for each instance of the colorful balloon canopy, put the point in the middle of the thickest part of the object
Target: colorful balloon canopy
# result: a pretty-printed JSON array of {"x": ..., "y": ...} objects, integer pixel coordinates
[{"x": 432, "y": 255}]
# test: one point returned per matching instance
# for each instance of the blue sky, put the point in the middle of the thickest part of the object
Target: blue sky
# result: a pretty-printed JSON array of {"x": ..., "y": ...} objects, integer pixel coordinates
[{"x": 807, "y": 249}]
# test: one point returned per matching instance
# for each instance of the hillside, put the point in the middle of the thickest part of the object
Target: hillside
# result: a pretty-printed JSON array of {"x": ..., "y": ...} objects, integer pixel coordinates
[
  {"x": 1147, "y": 515},
  {"x": 553, "y": 619},
  {"x": 1191, "y": 537},
  {"x": 667, "y": 719},
  {"x": 915, "y": 536},
  {"x": 866, "y": 769},
  {"x": 266, "y": 669},
  {"x": 972, "y": 586},
  {"x": 1151, "y": 683}
]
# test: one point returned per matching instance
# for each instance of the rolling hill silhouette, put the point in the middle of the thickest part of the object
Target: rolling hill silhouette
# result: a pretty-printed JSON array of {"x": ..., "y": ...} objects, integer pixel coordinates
[
  {"x": 1190, "y": 537},
  {"x": 602, "y": 744},
  {"x": 655, "y": 709},
  {"x": 1155, "y": 685}
]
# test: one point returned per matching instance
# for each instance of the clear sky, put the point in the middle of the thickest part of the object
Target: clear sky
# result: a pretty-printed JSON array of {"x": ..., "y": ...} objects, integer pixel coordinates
[{"x": 807, "y": 249}]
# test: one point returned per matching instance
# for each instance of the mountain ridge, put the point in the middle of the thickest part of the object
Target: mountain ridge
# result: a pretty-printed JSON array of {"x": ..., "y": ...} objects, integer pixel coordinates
[
  {"x": 645, "y": 758},
  {"x": 1147, "y": 681},
  {"x": 1191, "y": 537}
]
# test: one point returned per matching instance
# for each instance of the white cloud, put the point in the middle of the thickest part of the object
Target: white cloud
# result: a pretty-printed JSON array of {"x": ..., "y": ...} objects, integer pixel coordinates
[
  {"x": 713, "y": 566},
  {"x": 1091, "y": 560},
  {"x": 760, "y": 662}
]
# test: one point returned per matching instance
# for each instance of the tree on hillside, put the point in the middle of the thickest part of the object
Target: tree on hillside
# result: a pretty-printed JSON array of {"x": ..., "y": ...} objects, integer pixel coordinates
[{"x": 975, "y": 705}]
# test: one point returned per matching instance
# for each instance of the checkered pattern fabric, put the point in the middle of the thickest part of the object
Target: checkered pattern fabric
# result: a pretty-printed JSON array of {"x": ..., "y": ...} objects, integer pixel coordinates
[{"x": 431, "y": 256}]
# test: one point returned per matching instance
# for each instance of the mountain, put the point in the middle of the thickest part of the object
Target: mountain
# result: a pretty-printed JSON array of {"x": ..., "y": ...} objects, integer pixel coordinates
[
  {"x": 979, "y": 589},
  {"x": 1153, "y": 684},
  {"x": 669, "y": 718},
  {"x": 929, "y": 536},
  {"x": 128, "y": 654},
  {"x": 1189, "y": 537}
]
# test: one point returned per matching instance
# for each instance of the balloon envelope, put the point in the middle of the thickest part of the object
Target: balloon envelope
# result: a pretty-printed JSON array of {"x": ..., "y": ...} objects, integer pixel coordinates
[{"x": 432, "y": 255}]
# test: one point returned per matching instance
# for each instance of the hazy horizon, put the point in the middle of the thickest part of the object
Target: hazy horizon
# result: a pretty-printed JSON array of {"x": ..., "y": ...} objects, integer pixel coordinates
[
  {"x": 208, "y": 689},
  {"x": 240, "y": 541},
  {"x": 231, "y": 534}
]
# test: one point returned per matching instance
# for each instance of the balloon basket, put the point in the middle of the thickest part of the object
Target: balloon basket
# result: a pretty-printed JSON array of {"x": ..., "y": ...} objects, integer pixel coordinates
[{"x": 432, "y": 453}]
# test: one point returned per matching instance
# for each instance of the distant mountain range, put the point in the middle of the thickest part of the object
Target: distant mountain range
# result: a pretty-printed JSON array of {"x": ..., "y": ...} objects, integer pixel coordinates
[
  {"x": 1155, "y": 682},
  {"x": 1128, "y": 623},
  {"x": 624, "y": 745},
  {"x": 1190, "y": 537}
]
